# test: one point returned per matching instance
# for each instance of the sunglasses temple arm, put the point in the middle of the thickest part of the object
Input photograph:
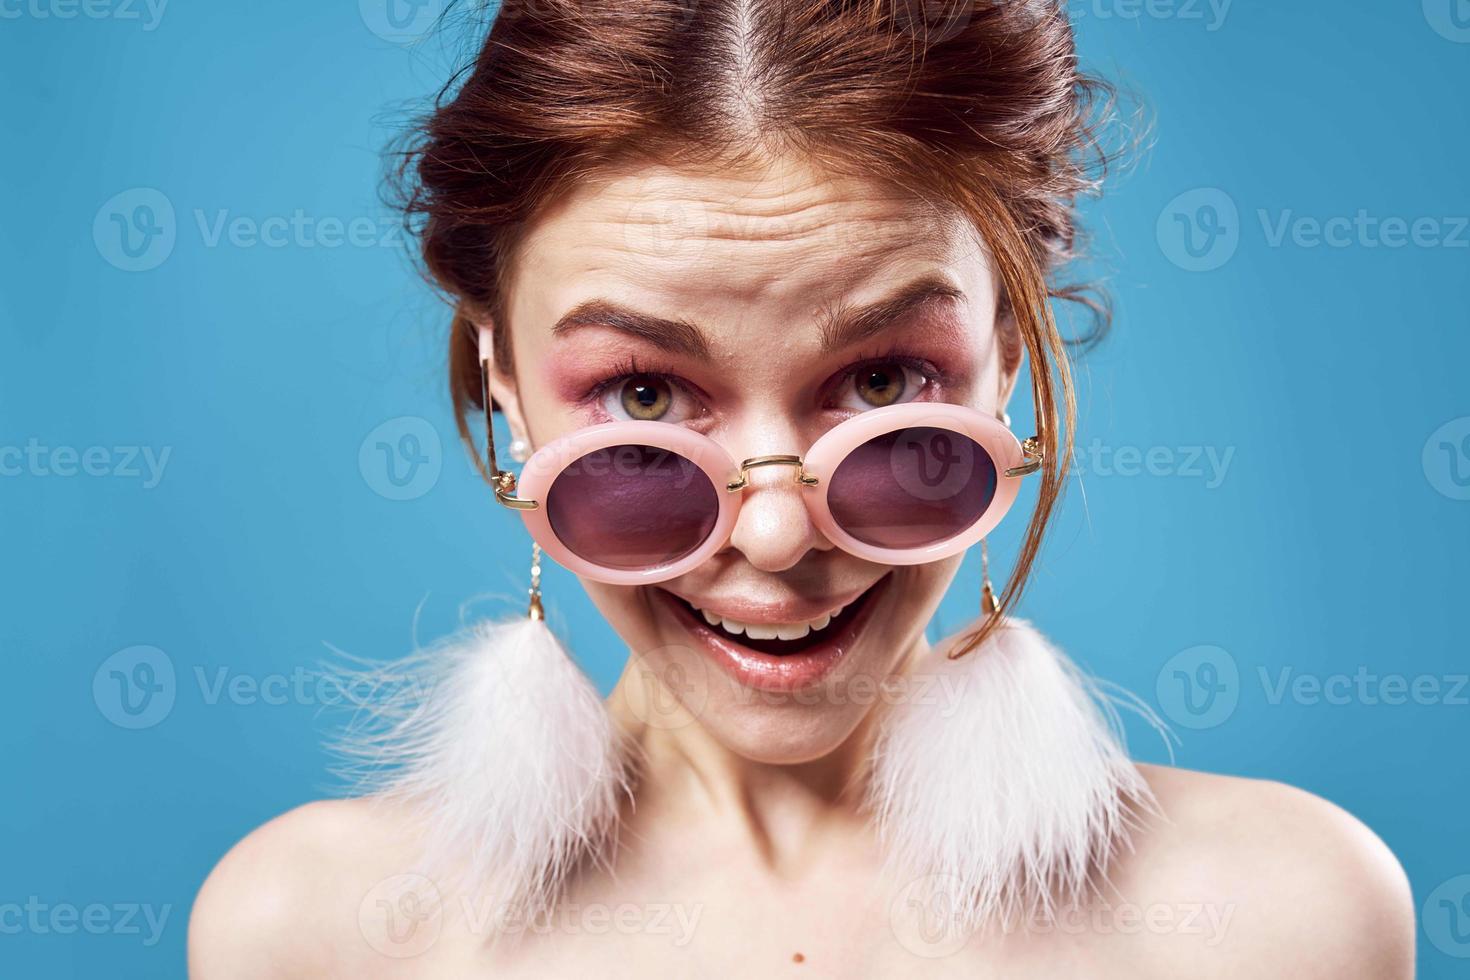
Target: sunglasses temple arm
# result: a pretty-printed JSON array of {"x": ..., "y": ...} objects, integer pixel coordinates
[
  {"x": 503, "y": 481},
  {"x": 1031, "y": 447}
]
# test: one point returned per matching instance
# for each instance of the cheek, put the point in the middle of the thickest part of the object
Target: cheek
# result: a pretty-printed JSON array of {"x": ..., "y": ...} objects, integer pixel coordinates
[
  {"x": 626, "y": 610},
  {"x": 918, "y": 591},
  {"x": 546, "y": 417}
]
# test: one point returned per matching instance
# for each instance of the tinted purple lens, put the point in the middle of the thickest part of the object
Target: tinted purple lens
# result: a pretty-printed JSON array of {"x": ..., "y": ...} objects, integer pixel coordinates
[
  {"x": 911, "y": 488},
  {"x": 632, "y": 507}
]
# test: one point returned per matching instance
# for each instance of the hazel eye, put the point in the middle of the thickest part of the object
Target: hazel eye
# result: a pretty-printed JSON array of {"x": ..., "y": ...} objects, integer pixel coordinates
[
  {"x": 646, "y": 398},
  {"x": 882, "y": 383}
]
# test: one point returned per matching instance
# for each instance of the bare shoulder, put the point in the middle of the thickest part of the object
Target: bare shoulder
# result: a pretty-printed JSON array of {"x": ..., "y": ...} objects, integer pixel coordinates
[
  {"x": 1292, "y": 884},
  {"x": 285, "y": 901}
]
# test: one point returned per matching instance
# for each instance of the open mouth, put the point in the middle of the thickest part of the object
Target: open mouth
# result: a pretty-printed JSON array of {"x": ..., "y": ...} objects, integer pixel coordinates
[
  {"x": 757, "y": 656},
  {"x": 775, "y": 646}
]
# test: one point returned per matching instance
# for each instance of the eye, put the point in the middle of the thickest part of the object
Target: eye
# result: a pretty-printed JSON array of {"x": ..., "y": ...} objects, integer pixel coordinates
[
  {"x": 647, "y": 398},
  {"x": 879, "y": 383}
]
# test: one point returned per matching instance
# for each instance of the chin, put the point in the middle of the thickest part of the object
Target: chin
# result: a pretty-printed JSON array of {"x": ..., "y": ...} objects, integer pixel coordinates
[{"x": 778, "y": 682}]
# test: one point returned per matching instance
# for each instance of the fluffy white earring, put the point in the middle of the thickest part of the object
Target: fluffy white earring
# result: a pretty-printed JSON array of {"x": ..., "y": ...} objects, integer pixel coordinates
[
  {"x": 1007, "y": 791},
  {"x": 504, "y": 750}
]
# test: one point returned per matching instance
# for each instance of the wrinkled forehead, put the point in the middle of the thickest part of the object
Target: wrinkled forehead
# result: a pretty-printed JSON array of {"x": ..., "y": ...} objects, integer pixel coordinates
[{"x": 737, "y": 251}]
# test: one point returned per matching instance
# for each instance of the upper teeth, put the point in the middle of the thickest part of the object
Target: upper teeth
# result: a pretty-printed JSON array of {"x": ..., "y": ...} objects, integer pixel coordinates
[{"x": 771, "y": 631}]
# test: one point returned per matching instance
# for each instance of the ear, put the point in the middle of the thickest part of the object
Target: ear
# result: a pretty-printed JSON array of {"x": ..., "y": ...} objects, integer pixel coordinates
[
  {"x": 502, "y": 386},
  {"x": 1012, "y": 353}
]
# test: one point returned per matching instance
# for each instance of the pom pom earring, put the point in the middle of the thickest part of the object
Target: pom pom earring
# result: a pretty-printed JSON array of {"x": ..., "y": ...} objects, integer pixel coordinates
[
  {"x": 503, "y": 750},
  {"x": 1004, "y": 799}
]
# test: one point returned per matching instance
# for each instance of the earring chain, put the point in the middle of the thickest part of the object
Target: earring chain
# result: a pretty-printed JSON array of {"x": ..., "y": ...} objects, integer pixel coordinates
[{"x": 535, "y": 611}]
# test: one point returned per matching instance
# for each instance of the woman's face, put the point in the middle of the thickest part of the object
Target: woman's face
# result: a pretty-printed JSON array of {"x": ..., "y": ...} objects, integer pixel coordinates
[{"x": 733, "y": 304}]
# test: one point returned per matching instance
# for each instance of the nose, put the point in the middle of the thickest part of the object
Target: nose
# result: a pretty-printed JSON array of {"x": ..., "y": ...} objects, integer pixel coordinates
[{"x": 775, "y": 529}]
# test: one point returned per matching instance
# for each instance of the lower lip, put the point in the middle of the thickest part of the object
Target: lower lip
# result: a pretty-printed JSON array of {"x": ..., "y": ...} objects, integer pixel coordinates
[{"x": 764, "y": 671}]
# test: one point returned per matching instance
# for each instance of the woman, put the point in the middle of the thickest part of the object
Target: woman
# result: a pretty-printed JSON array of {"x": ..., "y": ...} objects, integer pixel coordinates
[{"x": 755, "y": 281}]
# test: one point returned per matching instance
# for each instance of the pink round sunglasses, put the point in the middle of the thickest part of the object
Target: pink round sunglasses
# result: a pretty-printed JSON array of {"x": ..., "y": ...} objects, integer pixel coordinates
[{"x": 637, "y": 502}]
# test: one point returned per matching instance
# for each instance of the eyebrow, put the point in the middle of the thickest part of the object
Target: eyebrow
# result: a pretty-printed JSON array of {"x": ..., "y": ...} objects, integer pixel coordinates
[
  {"x": 839, "y": 326},
  {"x": 842, "y": 326},
  {"x": 674, "y": 336}
]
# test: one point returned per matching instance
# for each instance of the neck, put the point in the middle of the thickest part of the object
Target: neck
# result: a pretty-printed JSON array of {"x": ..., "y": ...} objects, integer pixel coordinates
[{"x": 787, "y": 812}]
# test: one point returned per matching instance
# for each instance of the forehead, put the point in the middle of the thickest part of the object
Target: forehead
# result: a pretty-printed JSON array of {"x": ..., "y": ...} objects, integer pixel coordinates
[{"x": 733, "y": 250}]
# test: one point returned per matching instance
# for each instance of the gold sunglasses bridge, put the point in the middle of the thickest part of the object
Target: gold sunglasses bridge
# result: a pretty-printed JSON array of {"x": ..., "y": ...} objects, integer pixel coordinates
[{"x": 778, "y": 459}]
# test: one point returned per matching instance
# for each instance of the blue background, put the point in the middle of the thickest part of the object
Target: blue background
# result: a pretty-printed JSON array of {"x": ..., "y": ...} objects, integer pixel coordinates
[{"x": 1334, "y": 542}]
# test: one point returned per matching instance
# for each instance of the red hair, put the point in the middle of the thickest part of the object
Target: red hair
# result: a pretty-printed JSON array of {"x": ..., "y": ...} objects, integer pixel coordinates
[{"x": 979, "y": 106}]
